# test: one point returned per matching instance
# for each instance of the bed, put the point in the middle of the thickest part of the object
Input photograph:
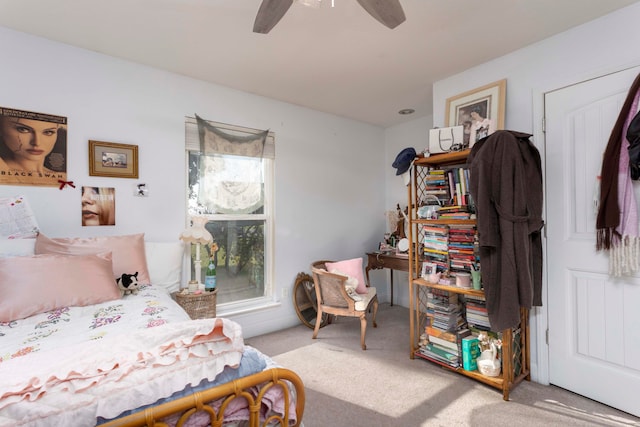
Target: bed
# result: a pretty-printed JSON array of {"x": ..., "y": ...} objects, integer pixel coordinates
[{"x": 74, "y": 358}]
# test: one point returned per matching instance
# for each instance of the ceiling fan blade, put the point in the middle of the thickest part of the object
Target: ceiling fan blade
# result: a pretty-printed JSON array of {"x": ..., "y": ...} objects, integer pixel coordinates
[
  {"x": 387, "y": 12},
  {"x": 269, "y": 14}
]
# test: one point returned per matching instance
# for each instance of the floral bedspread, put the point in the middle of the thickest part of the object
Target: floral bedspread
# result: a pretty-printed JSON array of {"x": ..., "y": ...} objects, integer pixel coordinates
[
  {"x": 83, "y": 380},
  {"x": 152, "y": 306},
  {"x": 79, "y": 365}
]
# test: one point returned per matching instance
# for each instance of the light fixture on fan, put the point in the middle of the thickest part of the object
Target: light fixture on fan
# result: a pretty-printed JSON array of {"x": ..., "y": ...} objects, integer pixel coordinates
[
  {"x": 310, "y": 3},
  {"x": 387, "y": 12}
]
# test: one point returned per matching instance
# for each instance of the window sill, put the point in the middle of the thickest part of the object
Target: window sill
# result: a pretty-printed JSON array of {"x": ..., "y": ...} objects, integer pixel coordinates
[{"x": 247, "y": 306}]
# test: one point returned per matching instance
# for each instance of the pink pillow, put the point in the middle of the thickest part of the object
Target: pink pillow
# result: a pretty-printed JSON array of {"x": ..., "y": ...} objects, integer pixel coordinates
[
  {"x": 34, "y": 284},
  {"x": 128, "y": 251},
  {"x": 350, "y": 267}
]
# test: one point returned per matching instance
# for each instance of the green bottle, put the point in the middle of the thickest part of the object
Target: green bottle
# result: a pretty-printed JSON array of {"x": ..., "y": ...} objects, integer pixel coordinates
[{"x": 210, "y": 277}]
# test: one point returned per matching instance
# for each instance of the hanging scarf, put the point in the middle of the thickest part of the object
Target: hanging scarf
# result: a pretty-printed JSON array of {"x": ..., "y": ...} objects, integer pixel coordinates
[{"x": 617, "y": 222}]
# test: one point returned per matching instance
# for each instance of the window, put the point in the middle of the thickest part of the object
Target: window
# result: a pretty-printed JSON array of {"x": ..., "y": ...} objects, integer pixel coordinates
[{"x": 230, "y": 182}]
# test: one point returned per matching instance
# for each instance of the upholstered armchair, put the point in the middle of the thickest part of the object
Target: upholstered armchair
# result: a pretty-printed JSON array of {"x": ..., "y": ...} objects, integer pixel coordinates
[{"x": 336, "y": 299}]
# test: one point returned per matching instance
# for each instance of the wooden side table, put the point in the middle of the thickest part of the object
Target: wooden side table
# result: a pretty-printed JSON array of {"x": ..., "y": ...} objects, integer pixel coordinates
[
  {"x": 390, "y": 260},
  {"x": 198, "y": 306}
]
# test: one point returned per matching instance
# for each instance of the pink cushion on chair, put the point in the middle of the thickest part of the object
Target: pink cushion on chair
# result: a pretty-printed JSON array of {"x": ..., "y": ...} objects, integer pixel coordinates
[
  {"x": 35, "y": 284},
  {"x": 350, "y": 267},
  {"x": 128, "y": 251}
]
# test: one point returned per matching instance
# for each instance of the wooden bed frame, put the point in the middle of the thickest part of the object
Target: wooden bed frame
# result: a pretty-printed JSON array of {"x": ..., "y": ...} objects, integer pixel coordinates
[{"x": 188, "y": 405}]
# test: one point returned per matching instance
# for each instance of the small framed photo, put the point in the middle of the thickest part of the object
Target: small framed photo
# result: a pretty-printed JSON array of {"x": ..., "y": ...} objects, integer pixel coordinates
[
  {"x": 480, "y": 111},
  {"x": 428, "y": 268},
  {"x": 113, "y": 160},
  {"x": 141, "y": 190}
]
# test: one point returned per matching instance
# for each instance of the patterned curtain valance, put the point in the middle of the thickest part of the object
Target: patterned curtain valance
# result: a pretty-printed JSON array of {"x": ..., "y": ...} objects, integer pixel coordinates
[
  {"x": 226, "y": 166},
  {"x": 214, "y": 140}
]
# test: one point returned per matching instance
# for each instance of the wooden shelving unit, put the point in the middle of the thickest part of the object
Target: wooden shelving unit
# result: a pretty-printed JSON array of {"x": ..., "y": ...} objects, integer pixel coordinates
[{"x": 515, "y": 348}]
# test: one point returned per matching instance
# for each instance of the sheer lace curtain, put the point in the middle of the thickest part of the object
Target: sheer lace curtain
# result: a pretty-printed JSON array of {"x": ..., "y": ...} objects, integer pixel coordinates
[{"x": 226, "y": 167}]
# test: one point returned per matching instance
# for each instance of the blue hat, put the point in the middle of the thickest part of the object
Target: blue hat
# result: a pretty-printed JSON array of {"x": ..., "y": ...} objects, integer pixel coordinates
[{"x": 403, "y": 160}]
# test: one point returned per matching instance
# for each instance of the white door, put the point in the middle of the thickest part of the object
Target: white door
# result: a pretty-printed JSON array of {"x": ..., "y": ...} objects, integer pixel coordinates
[{"x": 594, "y": 319}]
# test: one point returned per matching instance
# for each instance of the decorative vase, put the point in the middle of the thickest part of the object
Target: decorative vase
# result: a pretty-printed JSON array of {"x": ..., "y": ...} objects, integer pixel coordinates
[{"x": 488, "y": 364}]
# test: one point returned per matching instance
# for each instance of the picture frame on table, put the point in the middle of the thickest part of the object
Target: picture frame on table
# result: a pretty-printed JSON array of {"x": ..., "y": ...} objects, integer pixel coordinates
[
  {"x": 113, "y": 160},
  {"x": 480, "y": 111}
]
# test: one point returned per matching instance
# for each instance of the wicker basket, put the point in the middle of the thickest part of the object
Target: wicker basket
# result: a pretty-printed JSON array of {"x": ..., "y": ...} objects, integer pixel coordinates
[{"x": 198, "y": 306}]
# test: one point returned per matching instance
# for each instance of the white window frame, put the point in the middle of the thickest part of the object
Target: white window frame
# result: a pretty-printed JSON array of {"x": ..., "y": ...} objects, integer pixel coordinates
[{"x": 192, "y": 143}]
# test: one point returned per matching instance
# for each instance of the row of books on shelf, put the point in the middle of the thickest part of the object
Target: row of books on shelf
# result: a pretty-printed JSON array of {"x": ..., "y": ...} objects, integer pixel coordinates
[
  {"x": 451, "y": 335},
  {"x": 451, "y": 212},
  {"x": 476, "y": 312},
  {"x": 454, "y": 212},
  {"x": 450, "y": 185},
  {"x": 451, "y": 247}
]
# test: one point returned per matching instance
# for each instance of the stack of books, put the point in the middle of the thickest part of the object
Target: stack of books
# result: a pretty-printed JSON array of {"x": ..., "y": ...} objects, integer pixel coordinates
[
  {"x": 433, "y": 352},
  {"x": 461, "y": 248},
  {"x": 447, "y": 317},
  {"x": 436, "y": 245},
  {"x": 476, "y": 312},
  {"x": 454, "y": 212},
  {"x": 439, "y": 298},
  {"x": 443, "y": 309},
  {"x": 436, "y": 185}
]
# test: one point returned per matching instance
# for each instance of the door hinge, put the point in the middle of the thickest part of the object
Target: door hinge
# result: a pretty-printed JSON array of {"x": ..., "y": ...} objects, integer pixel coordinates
[{"x": 544, "y": 125}]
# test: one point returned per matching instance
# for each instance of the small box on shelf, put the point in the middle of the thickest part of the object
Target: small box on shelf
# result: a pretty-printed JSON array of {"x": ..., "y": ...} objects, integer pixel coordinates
[{"x": 470, "y": 353}]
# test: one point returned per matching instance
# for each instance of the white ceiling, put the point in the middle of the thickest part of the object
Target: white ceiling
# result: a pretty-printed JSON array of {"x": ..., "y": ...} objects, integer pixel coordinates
[{"x": 335, "y": 59}]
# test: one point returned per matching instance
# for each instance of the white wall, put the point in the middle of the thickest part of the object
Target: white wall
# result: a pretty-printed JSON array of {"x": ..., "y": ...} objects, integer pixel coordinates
[
  {"x": 590, "y": 50},
  {"x": 329, "y": 189},
  {"x": 602, "y": 46}
]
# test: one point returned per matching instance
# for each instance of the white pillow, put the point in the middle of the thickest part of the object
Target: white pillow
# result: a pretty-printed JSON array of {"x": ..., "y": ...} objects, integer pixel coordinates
[
  {"x": 350, "y": 286},
  {"x": 17, "y": 247},
  {"x": 164, "y": 261}
]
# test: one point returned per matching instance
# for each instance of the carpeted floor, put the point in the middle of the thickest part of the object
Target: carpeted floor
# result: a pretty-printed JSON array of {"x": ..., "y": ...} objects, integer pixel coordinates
[{"x": 382, "y": 386}]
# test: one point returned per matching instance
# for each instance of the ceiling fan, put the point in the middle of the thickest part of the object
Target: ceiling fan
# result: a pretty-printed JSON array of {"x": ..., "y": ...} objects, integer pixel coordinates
[{"x": 387, "y": 12}]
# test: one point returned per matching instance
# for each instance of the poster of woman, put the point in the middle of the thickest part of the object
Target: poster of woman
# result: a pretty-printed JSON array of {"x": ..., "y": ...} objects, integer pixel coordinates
[
  {"x": 33, "y": 148},
  {"x": 98, "y": 206}
]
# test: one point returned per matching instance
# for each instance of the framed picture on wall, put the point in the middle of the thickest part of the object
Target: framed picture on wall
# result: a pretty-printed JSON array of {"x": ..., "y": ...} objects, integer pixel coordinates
[
  {"x": 113, "y": 160},
  {"x": 480, "y": 111}
]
